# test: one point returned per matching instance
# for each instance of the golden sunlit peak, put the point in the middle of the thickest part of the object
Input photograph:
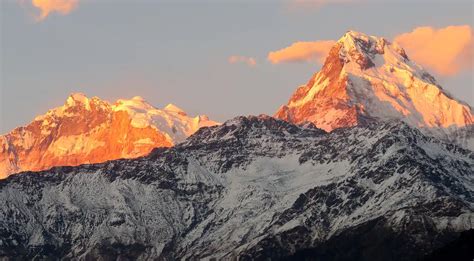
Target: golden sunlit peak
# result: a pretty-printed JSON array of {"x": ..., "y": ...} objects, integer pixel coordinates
[
  {"x": 352, "y": 35},
  {"x": 93, "y": 130},
  {"x": 399, "y": 89},
  {"x": 78, "y": 95},
  {"x": 174, "y": 108},
  {"x": 138, "y": 98},
  {"x": 77, "y": 98}
]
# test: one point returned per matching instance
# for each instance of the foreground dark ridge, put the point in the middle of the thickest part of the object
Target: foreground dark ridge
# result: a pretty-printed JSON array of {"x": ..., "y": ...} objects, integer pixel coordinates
[{"x": 253, "y": 188}]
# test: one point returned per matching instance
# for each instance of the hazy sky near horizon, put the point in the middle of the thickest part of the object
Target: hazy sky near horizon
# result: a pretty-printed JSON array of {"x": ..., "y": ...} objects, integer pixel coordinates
[{"x": 178, "y": 51}]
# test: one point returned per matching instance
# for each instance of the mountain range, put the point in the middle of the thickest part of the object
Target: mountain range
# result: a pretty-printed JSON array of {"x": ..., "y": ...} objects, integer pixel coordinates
[
  {"x": 256, "y": 188},
  {"x": 90, "y": 130},
  {"x": 370, "y": 160}
]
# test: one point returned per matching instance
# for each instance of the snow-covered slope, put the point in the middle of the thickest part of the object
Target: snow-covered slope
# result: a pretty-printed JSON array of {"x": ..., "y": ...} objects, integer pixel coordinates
[
  {"x": 172, "y": 121},
  {"x": 366, "y": 77},
  {"x": 254, "y": 188},
  {"x": 90, "y": 130}
]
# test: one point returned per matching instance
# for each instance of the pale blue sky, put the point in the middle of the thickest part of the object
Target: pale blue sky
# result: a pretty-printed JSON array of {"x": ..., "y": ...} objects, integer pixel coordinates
[{"x": 177, "y": 52}]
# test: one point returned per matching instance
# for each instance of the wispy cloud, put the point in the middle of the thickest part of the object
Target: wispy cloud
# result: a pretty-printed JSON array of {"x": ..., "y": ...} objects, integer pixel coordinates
[
  {"x": 447, "y": 51},
  {"x": 250, "y": 61},
  {"x": 46, "y": 7},
  {"x": 302, "y": 52}
]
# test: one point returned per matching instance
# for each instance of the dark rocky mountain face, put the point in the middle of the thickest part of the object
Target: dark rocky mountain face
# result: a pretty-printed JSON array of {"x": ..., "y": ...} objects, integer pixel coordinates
[{"x": 252, "y": 188}]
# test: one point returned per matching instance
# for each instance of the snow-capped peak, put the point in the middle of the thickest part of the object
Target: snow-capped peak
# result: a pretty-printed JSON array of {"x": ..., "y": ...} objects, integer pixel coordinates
[
  {"x": 86, "y": 130},
  {"x": 367, "y": 77},
  {"x": 173, "y": 108},
  {"x": 137, "y": 103},
  {"x": 171, "y": 120},
  {"x": 78, "y": 96},
  {"x": 138, "y": 98},
  {"x": 78, "y": 99},
  {"x": 368, "y": 51}
]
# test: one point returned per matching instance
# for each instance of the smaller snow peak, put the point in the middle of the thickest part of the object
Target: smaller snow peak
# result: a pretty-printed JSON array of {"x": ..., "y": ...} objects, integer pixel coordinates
[
  {"x": 138, "y": 98},
  {"x": 203, "y": 118},
  {"x": 136, "y": 103},
  {"x": 76, "y": 99},
  {"x": 203, "y": 121},
  {"x": 354, "y": 35},
  {"x": 96, "y": 99},
  {"x": 173, "y": 108},
  {"x": 78, "y": 96}
]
